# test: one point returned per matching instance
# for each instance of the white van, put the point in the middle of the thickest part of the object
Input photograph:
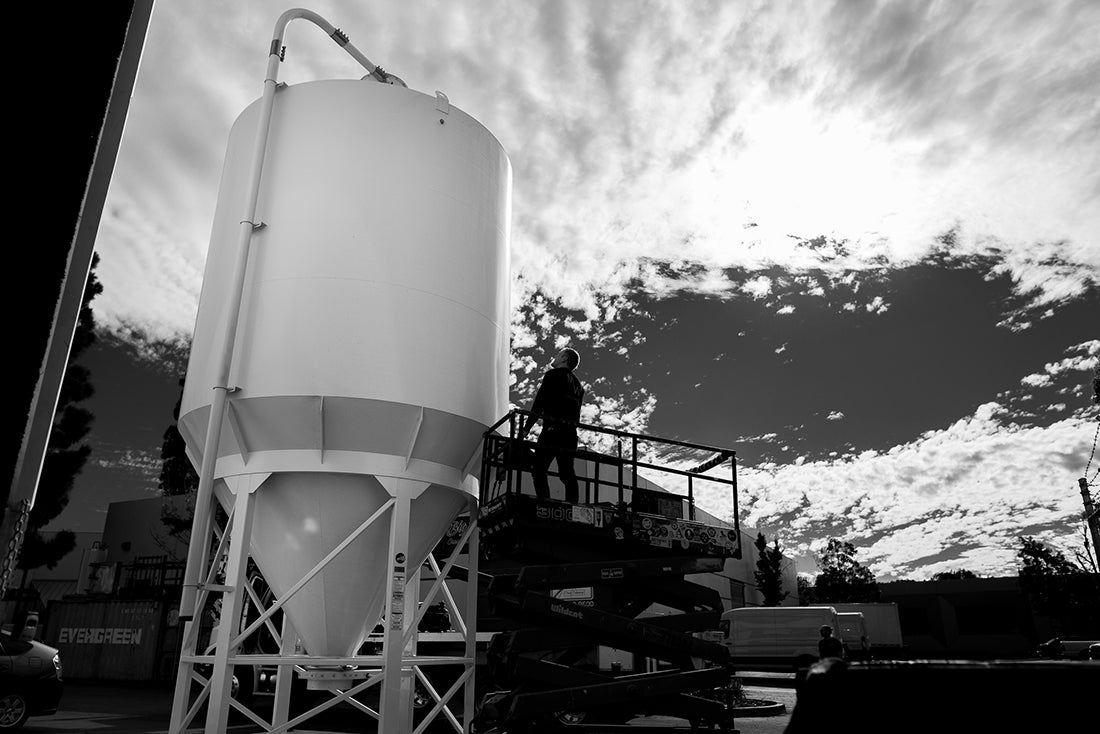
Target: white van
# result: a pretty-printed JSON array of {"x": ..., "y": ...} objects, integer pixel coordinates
[
  {"x": 853, "y": 633},
  {"x": 782, "y": 639}
]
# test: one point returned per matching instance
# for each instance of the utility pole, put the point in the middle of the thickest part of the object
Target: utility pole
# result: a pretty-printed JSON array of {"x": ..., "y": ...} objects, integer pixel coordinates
[
  {"x": 1091, "y": 517},
  {"x": 80, "y": 43}
]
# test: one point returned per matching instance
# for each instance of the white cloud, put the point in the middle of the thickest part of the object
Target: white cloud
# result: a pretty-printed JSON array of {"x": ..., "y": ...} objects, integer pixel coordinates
[
  {"x": 1084, "y": 357},
  {"x": 877, "y": 306},
  {"x": 717, "y": 135},
  {"x": 785, "y": 310},
  {"x": 143, "y": 464},
  {"x": 1090, "y": 347},
  {"x": 759, "y": 287},
  {"x": 1079, "y": 362},
  {"x": 835, "y": 415},
  {"x": 976, "y": 485}
]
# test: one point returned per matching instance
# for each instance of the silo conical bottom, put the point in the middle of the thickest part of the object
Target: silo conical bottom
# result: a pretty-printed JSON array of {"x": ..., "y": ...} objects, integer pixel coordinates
[{"x": 300, "y": 517}]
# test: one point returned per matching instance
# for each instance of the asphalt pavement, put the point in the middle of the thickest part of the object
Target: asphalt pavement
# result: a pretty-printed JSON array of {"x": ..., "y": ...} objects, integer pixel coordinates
[{"x": 104, "y": 708}]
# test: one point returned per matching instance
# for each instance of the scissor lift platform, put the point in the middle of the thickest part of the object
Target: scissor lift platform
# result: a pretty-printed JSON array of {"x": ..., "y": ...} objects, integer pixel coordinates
[
  {"x": 537, "y": 663},
  {"x": 633, "y": 553},
  {"x": 520, "y": 526}
]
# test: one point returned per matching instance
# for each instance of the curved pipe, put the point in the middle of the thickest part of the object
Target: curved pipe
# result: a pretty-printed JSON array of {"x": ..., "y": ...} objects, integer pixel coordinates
[
  {"x": 200, "y": 529},
  {"x": 341, "y": 39}
]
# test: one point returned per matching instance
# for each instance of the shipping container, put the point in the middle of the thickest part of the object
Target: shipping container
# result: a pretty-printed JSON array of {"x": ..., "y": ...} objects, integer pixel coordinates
[{"x": 114, "y": 639}]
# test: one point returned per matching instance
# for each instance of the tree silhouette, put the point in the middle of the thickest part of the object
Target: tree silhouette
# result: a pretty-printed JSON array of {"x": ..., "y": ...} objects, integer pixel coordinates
[
  {"x": 1059, "y": 588},
  {"x": 177, "y": 477},
  {"x": 843, "y": 579},
  {"x": 769, "y": 572},
  {"x": 961, "y": 573},
  {"x": 66, "y": 453},
  {"x": 806, "y": 594}
]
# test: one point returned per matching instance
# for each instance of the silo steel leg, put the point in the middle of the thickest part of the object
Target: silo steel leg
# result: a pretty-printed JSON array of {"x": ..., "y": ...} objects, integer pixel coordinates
[
  {"x": 281, "y": 710},
  {"x": 396, "y": 698},
  {"x": 181, "y": 701},
  {"x": 217, "y": 715},
  {"x": 469, "y": 692}
]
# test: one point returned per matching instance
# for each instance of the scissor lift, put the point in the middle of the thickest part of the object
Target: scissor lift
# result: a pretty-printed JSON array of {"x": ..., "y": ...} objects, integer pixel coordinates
[{"x": 633, "y": 557}]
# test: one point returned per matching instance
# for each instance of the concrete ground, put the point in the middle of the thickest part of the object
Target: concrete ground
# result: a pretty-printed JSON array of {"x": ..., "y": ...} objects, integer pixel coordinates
[
  {"x": 144, "y": 709},
  {"x": 747, "y": 724}
]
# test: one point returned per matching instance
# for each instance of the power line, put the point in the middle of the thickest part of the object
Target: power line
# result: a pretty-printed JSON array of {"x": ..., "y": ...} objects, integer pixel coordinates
[{"x": 1093, "y": 452}]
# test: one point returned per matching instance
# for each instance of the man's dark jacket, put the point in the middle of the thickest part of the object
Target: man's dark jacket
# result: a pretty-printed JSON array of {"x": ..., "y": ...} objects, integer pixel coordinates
[
  {"x": 559, "y": 397},
  {"x": 830, "y": 647}
]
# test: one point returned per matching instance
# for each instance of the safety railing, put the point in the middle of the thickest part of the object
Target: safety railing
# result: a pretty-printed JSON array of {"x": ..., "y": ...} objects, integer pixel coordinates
[{"x": 503, "y": 469}]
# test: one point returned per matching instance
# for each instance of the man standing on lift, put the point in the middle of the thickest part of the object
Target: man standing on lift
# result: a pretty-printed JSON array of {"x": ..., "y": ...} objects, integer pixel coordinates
[{"x": 558, "y": 404}]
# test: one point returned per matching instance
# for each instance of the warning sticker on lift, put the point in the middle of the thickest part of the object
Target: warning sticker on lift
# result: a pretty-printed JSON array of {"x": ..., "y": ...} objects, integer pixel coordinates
[
  {"x": 583, "y": 515},
  {"x": 397, "y": 602},
  {"x": 587, "y": 516}
]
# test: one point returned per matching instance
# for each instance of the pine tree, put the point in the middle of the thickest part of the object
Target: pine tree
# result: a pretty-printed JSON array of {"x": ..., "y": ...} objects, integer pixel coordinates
[
  {"x": 177, "y": 477},
  {"x": 769, "y": 571},
  {"x": 66, "y": 453}
]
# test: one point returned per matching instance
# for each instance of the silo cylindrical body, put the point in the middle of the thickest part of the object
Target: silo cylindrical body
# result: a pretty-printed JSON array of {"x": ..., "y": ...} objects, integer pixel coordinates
[{"x": 373, "y": 338}]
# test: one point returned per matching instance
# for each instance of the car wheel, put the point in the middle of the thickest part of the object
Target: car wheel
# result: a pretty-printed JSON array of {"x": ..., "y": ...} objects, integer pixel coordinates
[
  {"x": 421, "y": 699},
  {"x": 14, "y": 711},
  {"x": 243, "y": 685},
  {"x": 571, "y": 718}
]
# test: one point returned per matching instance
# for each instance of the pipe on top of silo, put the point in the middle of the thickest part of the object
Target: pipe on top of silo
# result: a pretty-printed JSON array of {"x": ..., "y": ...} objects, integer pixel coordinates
[
  {"x": 200, "y": 529},
  {"x": 276, "y": 53}
]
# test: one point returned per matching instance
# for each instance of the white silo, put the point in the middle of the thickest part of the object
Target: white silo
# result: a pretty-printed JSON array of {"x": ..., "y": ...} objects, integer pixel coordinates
[
  {"x": 371, "y": 348},
  {"x": 373, "y": 337}
]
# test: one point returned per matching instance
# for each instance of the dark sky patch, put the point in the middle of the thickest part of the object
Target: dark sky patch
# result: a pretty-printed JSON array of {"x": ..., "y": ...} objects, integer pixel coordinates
[
  {"x": 934, "y": 355},
  {"x": 133, "y": 402}
]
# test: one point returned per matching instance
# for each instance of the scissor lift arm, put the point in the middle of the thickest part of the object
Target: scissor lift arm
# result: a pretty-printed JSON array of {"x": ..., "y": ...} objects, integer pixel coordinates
[{"x": 536, "y": 661}]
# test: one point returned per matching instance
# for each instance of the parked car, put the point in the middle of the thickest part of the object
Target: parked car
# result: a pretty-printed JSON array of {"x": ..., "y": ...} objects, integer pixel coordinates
[
  {"x": 1068, "y": 648},
  {"x": 30, "y": 680}
]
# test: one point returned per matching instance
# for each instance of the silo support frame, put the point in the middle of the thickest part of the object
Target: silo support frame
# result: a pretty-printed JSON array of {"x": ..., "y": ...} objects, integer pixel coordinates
[
  {"x": 288, "y": 643},
  {"x": 400, "y": 637},
  {"x": 401, "y": 666},
  {"x": 181, "y": 715},
  {"x": 217, "y": 714},
  {"x": 397, "y": 685}
]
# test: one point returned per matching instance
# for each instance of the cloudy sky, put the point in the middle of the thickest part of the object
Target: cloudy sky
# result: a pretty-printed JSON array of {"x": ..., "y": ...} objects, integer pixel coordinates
[{"x": 856, "y": 241}]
